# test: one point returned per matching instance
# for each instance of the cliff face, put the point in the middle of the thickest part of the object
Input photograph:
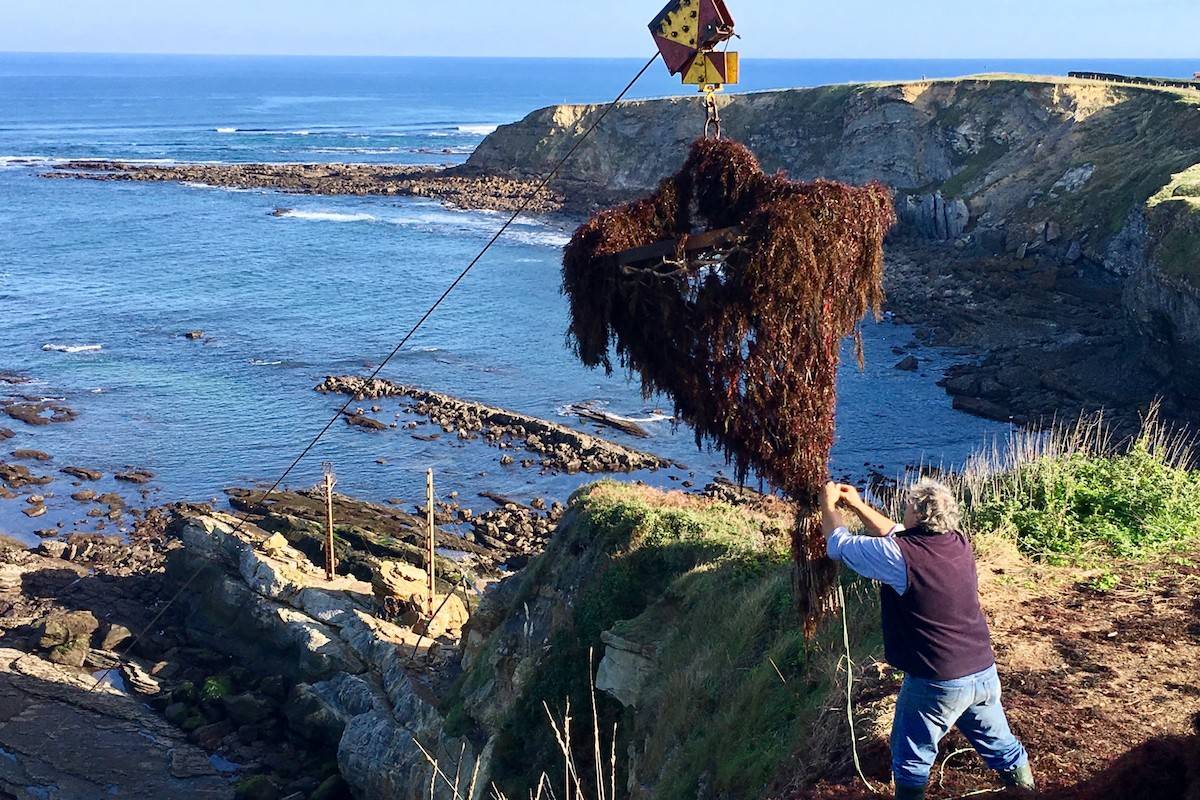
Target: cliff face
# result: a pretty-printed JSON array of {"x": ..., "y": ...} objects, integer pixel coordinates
[{"x": 1058, "y": 170}]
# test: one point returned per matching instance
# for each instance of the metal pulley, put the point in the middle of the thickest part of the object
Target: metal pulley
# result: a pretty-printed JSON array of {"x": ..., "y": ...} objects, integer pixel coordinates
[{"x": 687, "y": 33}]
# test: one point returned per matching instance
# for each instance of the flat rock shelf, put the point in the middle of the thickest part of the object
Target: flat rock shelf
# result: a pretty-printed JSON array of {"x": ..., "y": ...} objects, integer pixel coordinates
[{"x": 560, "y": 448}]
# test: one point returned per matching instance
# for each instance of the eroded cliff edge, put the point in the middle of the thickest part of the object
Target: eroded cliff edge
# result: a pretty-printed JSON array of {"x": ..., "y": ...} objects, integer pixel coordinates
[{"x": 1089, "y": 180}]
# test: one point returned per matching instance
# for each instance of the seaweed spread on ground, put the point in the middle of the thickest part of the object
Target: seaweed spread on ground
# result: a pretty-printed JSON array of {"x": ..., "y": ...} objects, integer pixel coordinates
[{"x": 746, "y": 339}]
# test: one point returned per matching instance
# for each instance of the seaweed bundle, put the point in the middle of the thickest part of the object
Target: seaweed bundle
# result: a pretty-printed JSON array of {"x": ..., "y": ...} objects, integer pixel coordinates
[{"x": 745, "y": 337}]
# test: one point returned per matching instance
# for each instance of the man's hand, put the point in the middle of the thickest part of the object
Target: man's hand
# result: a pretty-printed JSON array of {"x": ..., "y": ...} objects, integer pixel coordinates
[
  {"x": 831, "y": 518},
  {"x": 849, "y": 496}
]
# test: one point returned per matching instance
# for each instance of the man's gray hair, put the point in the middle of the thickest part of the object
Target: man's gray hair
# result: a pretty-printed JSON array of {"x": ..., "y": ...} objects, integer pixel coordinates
[{"x": 934, "y": 505}]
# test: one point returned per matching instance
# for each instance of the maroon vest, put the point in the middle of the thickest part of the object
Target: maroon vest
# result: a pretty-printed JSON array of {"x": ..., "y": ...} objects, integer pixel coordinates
[{"x": 936, "y": 630}]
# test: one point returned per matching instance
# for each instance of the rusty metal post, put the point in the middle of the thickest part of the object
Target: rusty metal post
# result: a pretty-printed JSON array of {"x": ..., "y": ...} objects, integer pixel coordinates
[
  {"x": 330, "y": 557},
  {"x": 430, "y": 591}
]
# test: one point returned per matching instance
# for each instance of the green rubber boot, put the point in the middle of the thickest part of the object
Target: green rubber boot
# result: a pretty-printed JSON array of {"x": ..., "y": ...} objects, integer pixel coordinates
[
  {"x": 1020, "y": 779},
  {"x": 909, "y": 792}
]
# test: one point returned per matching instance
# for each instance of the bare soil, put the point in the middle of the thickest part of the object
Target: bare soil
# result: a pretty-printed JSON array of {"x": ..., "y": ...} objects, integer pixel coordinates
[{"x": 1102, "y": 687}]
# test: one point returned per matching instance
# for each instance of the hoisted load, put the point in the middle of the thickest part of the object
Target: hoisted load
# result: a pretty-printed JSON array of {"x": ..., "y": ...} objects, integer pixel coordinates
[{"x": 732, "y": 290}]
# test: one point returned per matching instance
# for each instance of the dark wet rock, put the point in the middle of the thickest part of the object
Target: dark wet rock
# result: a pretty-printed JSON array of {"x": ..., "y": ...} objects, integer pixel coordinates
[
  {"x": 33, "y": 512},
  {"x": 365, "y": 422},
  {"x": 31, "y": 455},
  {"x": 6, "y": 433},
  {"x": 138, "y": 476},
  {"x": 332, "y": 788},
  {"x": 83, "y": 473},
  {"x": 46, "y": 533},
  {"x": 85, "y": 496},
  {"x": 248, "y": 708},
  {"x": 209, "y": 736},
  {"x": 111, "y": 499},
  {"x": 44, "y": 412},
  {"x": 982, "y": 408},
  {"x": 908, "y": 364}
]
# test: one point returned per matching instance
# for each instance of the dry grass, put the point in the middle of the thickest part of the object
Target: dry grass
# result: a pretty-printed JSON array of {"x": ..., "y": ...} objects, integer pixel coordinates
[{"x": 1077, "y": 493}]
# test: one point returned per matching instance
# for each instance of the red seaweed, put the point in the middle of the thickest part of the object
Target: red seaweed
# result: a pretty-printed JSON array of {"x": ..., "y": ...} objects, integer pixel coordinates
[{"x": 748, "y": 350}]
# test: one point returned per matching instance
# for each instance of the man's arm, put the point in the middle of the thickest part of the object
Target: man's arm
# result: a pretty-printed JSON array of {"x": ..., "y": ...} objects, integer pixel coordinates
[
  {"x": 875, "y": 557},
  {"x": 877, "y": 524}
]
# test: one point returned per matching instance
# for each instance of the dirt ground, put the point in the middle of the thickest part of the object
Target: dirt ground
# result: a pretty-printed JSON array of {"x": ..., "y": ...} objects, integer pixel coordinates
[{"x": 1102, "y": 687}]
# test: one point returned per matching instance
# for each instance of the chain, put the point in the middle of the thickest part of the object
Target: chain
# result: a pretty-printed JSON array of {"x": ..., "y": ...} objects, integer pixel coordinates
[{"x": 713, "y": 122}]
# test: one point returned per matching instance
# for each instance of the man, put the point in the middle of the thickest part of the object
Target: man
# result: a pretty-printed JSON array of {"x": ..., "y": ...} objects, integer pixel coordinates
[{"x": 933, "y": 630}]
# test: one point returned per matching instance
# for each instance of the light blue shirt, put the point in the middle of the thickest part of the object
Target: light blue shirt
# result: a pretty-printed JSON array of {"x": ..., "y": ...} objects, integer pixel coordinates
[{"x": 875, "y": 557}]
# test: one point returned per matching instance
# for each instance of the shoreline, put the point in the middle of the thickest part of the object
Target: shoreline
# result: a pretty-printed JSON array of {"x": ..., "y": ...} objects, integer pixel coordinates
[
  {"x": 451, "y": 185},
  {"x": 1030, "y": 356}
]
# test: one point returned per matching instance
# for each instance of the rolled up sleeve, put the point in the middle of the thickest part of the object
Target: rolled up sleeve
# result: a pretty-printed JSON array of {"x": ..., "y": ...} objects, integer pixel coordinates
[{"x": 875, "y": 557}]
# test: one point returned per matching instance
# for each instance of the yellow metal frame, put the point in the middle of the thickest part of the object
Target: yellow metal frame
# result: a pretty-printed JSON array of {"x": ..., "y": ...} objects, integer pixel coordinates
[{"x": 704, "y": 71}]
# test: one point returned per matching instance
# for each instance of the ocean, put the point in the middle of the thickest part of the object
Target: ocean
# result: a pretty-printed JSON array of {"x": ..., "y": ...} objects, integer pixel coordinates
[{"x": 98, "y": 281}]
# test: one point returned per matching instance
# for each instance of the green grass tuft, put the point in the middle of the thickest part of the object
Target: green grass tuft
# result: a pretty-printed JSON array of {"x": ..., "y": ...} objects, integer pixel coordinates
[{"x": 1069, "y": 497}]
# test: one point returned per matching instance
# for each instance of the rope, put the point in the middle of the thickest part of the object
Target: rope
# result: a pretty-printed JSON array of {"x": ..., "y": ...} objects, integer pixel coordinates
[
  {"x": 841, "y": 595},
  {"x": 244, "y": 518}
]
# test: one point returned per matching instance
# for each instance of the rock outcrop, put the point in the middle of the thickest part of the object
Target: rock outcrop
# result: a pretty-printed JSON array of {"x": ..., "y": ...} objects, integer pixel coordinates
[
  {"x": 66, "y": 738},
  {"x": 558, "y": 447},
  {"x": 366, "y": 684},
  {"x": 1060, "y": 171}
]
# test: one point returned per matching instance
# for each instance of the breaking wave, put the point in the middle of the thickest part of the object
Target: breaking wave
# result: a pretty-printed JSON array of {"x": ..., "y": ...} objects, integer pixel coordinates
[
  {"x": 329, "y": 216},
  {"x": 442, "y": 221},
  {"x": 479, "y": 130},
  {"x": 72, "y": 348}
]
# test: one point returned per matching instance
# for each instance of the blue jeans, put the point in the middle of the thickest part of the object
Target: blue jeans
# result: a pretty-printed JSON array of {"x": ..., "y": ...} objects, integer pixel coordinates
[{"x": 927, "y": 710}]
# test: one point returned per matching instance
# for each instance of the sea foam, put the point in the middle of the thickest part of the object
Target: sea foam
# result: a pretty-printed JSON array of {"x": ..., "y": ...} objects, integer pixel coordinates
[
  {"x": 479, "y": 130},
  {"x": 328, "y": 216},
  {"x": 72, "y": 348}
]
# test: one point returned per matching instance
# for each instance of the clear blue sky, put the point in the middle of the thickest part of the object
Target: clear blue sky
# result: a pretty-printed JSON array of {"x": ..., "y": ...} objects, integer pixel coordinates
[{"x": 771, "y": 28}]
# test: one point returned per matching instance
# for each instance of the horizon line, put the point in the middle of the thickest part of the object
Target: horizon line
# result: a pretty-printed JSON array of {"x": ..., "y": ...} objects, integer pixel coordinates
[{"x": 583, "y": 58}]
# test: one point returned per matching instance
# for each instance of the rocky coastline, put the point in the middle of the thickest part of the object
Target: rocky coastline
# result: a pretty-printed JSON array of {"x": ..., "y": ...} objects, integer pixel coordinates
[
  {"x": 1014, "y": 195},
  {"x": 492, "y": 192}
]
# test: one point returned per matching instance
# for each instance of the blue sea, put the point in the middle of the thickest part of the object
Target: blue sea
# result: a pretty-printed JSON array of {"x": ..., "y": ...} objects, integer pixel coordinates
[{"x": 99, "y": 280}]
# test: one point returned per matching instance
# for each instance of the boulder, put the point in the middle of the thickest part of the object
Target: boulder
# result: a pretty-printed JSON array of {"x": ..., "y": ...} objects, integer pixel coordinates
[
  {"x": 247, "y": 708},
  {"x": 114, "y": 635},
  {"x": 67, "y": 636},
  {"x": 52, "y": 549},
  {"x": 625, "y": 668},
  {"x": 908, "y": 364},
  {"x": 31, "y": 455},
  {"x": 83, "y": 473},
  {"x": 400, "y": 580},
  {"x": 138, "y": 476}
]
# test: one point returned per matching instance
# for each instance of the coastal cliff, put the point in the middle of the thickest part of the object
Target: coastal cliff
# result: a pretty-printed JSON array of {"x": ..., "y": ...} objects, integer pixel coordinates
[{"x": 1063, "y": 172}]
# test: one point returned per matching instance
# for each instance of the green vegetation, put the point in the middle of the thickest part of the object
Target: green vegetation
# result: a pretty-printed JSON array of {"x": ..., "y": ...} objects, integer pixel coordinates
[
  {"x": 975, "y": 168},
  {"x": 1069, "y": 497},
  {"x": 734, "y": 697},
  {"x": 1174, "y": 221},
  {"x": 1136, "y": 147},
  {"x": 707, "y": 588}
]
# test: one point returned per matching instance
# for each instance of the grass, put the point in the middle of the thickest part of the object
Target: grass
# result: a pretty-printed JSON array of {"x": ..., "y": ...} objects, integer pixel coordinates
[
  {"x": 735, "y": 691},
  {"x": 1174, "y": 219},
  {"x": 1072, "y": 495}
]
